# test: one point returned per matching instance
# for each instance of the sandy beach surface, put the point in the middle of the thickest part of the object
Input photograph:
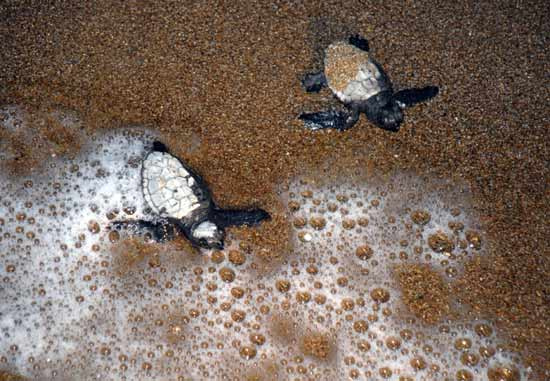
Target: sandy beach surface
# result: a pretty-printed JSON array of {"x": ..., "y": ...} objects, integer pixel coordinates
[{"x": 219, "y": 82}]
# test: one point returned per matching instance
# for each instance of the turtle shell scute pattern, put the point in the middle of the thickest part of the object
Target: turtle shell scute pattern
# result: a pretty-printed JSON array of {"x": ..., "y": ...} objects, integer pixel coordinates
[{"x": 169, "y": 188}]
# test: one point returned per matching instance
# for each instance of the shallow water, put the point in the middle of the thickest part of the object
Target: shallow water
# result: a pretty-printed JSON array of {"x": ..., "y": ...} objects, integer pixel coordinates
[{"x": 91, "y": 85}]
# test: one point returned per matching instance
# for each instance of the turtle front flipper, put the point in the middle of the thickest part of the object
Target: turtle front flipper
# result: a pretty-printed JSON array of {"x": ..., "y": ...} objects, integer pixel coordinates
[
  {"x": 161, "y": 231},
  {"x": 410, "y": 97},
  {"x": 314, "y": 82},
  {"x": 227, "y": 217},
  {"x": 359, "y": 42},
  {"x": 339, "y": 120}
]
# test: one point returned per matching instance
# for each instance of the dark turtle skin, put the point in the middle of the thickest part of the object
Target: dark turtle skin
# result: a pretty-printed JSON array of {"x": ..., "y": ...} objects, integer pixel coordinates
[
  {"x": 370, "y": 91},
  {"x": 181, "y": 202}
]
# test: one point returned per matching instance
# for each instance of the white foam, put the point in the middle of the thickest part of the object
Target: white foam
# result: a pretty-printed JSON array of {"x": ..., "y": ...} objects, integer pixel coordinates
[{"x": 76, "y": 311}]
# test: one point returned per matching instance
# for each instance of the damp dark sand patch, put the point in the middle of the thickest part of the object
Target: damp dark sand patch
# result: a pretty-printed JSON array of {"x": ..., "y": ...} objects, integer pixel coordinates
[
  {"x": 268, "y": 372},
  {"x": 7, "y": 376},
  {"x": 317, "y": 345},
  {"x": 20, "y": 158},
  {"x": 132, "y": 255},
  {"x": 30, "y": 137},
  {"x": 268, "y": 244},
  {"x": 235, "y": 85},
  {"x": 283, "y": 328},
  {"x": 424, "y": 292}
]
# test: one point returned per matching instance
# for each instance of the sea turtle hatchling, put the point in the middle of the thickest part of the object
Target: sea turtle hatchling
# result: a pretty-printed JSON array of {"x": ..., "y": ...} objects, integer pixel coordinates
[
  {"x": 181, "y": 202},
  {"x": 361, "y": 84}
]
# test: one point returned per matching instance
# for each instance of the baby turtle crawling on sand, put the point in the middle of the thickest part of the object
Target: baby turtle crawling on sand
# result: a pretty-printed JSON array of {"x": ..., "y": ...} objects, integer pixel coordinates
[
  {"x": 361, "y": 84},
  {"x": 182, "y": 202}
]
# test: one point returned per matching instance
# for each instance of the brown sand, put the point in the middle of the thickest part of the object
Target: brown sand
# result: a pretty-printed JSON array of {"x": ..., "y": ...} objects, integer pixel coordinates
[
  {"x": 228, "y": 75},
  {"x": 424, "y": 292},
  {"x": 6, "y": 376}
]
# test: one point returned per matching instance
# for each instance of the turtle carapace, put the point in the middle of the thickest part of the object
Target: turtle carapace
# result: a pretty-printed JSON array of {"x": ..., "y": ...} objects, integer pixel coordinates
[
  {"x": 180, "y": 201},
  {"x": 361, "y": 84}
]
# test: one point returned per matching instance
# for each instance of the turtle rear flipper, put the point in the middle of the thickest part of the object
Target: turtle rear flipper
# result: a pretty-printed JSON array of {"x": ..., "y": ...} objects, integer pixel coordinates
[
  {"x": 314, "y": 82},
  {"x": 339, "y": 120},
  {"x": 161, "y": 231},
  {"x": 410, "y": 97}
]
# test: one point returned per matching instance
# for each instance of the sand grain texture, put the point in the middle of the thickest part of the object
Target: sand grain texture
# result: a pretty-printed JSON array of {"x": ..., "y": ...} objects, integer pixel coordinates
[{"x": 220, "y": 82}]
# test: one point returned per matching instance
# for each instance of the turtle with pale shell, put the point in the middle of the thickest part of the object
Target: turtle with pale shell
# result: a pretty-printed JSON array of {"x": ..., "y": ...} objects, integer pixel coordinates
[
  {"x": 361, "y": 84},
  {"x": 181, "y": 202}
]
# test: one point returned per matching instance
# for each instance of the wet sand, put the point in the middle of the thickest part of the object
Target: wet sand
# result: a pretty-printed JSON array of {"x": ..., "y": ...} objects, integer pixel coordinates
[{"x": 221, "y": 84}]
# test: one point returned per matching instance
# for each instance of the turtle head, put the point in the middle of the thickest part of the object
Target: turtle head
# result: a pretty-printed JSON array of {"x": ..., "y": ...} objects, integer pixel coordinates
[
  {"x": 390, "y": 116},
  {"x": 207, "y": 235}
]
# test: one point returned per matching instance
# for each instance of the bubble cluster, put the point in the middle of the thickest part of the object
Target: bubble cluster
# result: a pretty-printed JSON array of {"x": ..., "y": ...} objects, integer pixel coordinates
[
  {"x": 362, "y": 294},
  {"x": 379, "y": 259}
]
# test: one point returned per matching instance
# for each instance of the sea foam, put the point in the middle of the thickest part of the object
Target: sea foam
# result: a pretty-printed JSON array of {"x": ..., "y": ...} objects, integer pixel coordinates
[{"x": 82, "y": 302}]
